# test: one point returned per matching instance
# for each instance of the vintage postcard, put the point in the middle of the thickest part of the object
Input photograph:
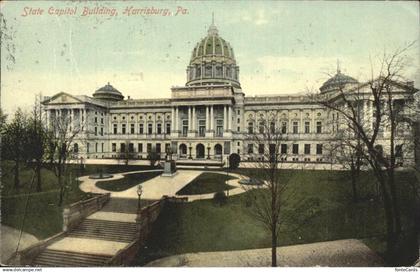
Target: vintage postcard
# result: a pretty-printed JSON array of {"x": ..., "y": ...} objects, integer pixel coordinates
[{"x": 210, "y": 134}]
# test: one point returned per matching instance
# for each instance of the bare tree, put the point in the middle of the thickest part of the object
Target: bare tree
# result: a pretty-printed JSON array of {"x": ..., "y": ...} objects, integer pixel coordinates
[
  {"x": 267, "y": 200},
  {"x": 60, "y": 142},
  {"x": 37, "y": 141},
  {"x": 383, "y": 92}
]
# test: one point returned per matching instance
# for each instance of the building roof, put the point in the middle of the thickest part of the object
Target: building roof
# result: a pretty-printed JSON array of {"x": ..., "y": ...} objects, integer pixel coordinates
[{"x": 108, "y": 92}]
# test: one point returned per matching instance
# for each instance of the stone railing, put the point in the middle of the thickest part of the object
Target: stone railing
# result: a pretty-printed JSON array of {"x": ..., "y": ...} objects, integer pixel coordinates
[
  {"x": 27, "y": 255},
  {"x": 76, "y": 212},
  {"x": 144, "y": 221}
]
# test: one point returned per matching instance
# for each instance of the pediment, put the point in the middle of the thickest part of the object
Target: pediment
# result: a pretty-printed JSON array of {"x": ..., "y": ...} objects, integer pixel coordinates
[{"x": 63, "y": 98}]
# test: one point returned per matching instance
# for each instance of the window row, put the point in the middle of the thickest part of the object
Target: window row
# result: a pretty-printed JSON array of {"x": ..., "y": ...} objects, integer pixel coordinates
[
  {"x": 272, "y": 128},
  {"x": 130, "y": 148},
  {"x": 284, "y": 149},
  {"x": 142, "y": 129}
]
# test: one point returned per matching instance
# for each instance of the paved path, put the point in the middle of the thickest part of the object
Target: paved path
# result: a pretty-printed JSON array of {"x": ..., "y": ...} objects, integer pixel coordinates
[
  {"x": 154, "y": 188},
  {"x": 9, "y": 240},
  {"x": 350, "y": 252}
]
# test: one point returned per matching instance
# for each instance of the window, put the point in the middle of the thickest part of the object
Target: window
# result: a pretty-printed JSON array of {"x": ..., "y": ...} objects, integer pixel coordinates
[
  {"x": 250, "y": 148},
  {"x": 149, "y": 128},
  {"x": 219, "y": 71},
  {"x": 141, "y": 128},
  {"x": 149, "y": 148},
  {"x": 295, "y": 127},
  {"x": 114, "y": 147},
  {"x": 131, "y": 147},
  {"x": 219, "y": 128},
  {"x": 132, "y": 128},
  {"x": 102, "y": 131},
  {"x": 159, "y": 128},
  {"x": 307, "y": 149},
  {"x": 76, "y": 148},
  {"x": 398, "y": 151},
  {"x": 167, "y": 148},
  {"x": 283, "y": 148},
  {"x": 115, "y": 129},
  {"x": 201, "y": 128},
  {"x": 319, "y": 127},
  {"x": 122, "y": 147},
  {"x": 295, "y": 148},
  {"x": 184, "y": 127},
  {"x": 250, "y": 128},
  {"x": 261, "y": 127},
  {"x": 284, "y": 127},
  {"x": 158, "y": 148},
  {"x": 140, "y": 147},
  {"x": 272, "y": 127},
  {"x": 102, "y": 120},
  {"x": 319, "y": 149},
  {"x": 87, "y": 148},
  {"x": 261, "y": 148},
  {"x": 307, "y": 127},
  {"x": 96, "y": 120},
  {"x": 208, "y": 72},
  {"x": 102, "y": 147},
  {"x": 168, "y": 128},
  {"x": 239, "y": 120},
  {"x": 123, "y": 128},
  {"x": 96, "y": 131}
]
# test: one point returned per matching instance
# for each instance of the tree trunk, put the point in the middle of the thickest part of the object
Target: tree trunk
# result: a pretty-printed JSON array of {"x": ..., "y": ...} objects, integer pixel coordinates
[
  {"x": 395, "y": 205},
  {"x": 16, "y": 178},
  {"x": 354, "y": 177},
  {"x": 273, "y": 248},
  {"x": 38, "y": 177}
]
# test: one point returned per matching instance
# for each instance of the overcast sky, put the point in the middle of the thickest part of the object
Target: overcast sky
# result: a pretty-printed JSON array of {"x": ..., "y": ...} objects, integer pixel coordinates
[{"x": 281, "y": 47}]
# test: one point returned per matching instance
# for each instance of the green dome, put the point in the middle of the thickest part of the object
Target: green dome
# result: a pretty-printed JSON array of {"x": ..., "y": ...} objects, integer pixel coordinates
[
  {"x": 212, "y": 45},
  {"x": 337, "y": 81},
  {"x": 212, "y": 62}
]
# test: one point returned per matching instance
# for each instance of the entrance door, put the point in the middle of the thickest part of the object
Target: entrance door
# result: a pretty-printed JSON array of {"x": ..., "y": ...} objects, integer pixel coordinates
[
  {"x": 218, "y": 151},
  {"x": 199, "y": 151}
]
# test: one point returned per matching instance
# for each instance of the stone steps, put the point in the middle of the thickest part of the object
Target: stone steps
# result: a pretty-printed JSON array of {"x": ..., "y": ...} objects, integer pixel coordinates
[
  {"x": 105, "y": 230},
  {"x": 57, "y": 258}
]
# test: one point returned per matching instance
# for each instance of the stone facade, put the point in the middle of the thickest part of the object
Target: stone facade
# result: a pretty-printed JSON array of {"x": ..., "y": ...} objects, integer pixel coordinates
[{"x": 207, "y": 119}]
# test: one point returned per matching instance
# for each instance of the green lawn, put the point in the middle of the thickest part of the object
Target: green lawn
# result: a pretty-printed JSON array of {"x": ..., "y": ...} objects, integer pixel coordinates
[
  {"x": 203, "y": 226},
  {"x": 43, "y": 215},
  {"x": 127, "y": 182},
  {"x": 207, "y": 183}
]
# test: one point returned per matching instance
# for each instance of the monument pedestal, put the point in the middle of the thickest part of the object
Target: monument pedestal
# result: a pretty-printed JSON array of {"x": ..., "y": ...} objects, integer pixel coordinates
[{"x": 169, "y": 169}]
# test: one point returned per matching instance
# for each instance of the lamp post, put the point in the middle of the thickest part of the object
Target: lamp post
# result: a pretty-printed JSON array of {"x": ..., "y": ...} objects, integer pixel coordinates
[{"x": 139, "y": 193}]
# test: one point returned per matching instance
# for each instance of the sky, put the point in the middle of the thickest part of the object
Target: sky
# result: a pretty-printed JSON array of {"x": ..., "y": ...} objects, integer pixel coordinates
[{"x": 281, "y": 47}]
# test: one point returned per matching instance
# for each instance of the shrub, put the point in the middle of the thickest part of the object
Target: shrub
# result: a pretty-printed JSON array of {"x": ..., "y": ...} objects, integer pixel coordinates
[
  {"x": 220, "y": 198},
  {"x": 234, "y": 160}
]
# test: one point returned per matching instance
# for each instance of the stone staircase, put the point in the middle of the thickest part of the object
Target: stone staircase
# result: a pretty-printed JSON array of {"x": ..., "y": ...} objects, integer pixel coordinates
[
  {"x": 56, "y": 258},
  {"x": 105, "y": 230}
]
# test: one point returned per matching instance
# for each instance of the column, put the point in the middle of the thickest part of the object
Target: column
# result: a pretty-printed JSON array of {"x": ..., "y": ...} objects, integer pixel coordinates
[
  {"x": 230, "y": 118},
  {"x": 47, "y": 114},
  {"x": 189, "y": 118},
  {"x": 193, "y": 119},
  {"x": 172, "y": 119},
  {"x": 71, "y": 119},
  {"x": 211, "y": 117},
  {"x": 85, "y": 120},
  {"x": 176, "y": 118},
  {"x": 207, "y": 118},
  {"x": 224, "y": 118}
]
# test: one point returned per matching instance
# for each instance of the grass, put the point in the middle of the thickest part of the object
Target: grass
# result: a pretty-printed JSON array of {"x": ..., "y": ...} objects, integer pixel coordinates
[
  {"x": 127, "y": 181},
  {"x": 207, "y": 183},
  {"x": 43, "y": 216},
  {"x": 202, "y": 226}
]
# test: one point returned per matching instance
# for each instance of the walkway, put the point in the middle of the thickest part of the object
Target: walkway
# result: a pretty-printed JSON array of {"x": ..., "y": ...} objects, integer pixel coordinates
[
  {"x": 349, "y": 253},
  {"x": 154, "y": 188}
]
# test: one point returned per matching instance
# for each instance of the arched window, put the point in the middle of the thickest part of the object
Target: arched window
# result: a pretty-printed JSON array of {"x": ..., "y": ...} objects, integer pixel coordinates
[
  {"x": 76, "y": 148},
  {"x": 198, "y": 71},
  {"x": 219, "y": 71}
]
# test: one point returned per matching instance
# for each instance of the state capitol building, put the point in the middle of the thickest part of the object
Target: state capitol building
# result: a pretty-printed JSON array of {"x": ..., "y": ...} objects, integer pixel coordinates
[{"x": 207, "y": 119}]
